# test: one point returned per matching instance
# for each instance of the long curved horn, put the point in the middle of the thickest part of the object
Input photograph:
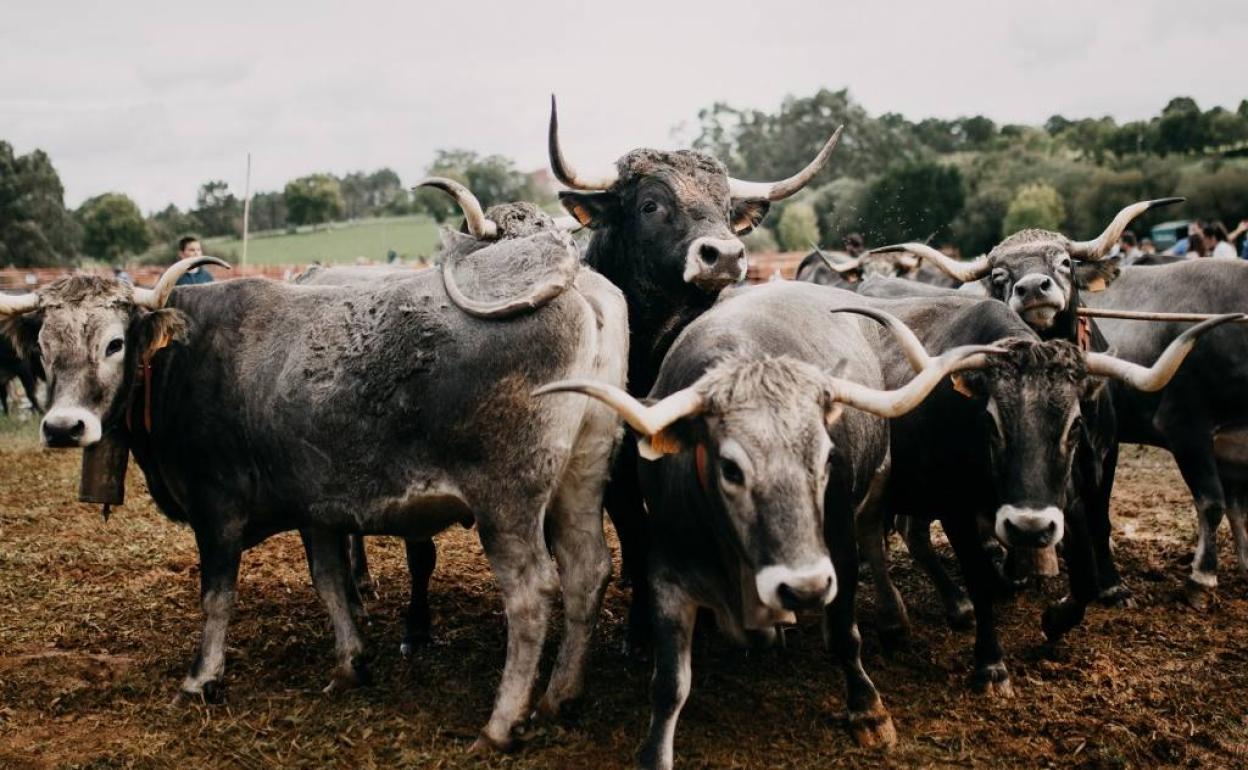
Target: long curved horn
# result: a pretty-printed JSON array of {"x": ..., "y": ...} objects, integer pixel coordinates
[
  {"x": 16, "y": 304},
  {"x": 568, "y": 223},
  {"x": 849, "y": 265},
  {"x": 602, "y": 180},
  {"x": 895, "y": 403},
  {"x": 646, "y": 420},
  {"x": 1096, "y": 249},
  {"x": 775, "y": 191},
  {"x": 478, "y": 225},
  {"x": 1163, "y": 370},
  {"x": 156, "y": 297},
  {"x": 963, "y": 271},
  {"x": 909, "y": 342}
]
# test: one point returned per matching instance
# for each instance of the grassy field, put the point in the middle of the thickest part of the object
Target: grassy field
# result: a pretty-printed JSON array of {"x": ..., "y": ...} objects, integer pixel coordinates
[{"x": 411, "y": 236}]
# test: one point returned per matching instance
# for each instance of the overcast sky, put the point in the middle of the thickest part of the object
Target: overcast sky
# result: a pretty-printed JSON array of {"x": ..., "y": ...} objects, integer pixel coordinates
[{"x": 151, "y": 99}]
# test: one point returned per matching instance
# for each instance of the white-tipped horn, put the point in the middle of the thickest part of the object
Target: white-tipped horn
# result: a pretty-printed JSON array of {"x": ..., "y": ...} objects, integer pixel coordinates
[
  {"x": 646, "y": 420},
  {"x": 568, "y": 223},
  {"x": 1157, "y": 376},
  {"x": 963, "y": 271},
  {"x": 895, "y": 403},
  {"x": 16, "y": 304},
  {"x": 156, "y": 297},
  {"x": 1096, "y": 249},
  {"x": 478, "y": 225},
  {"x": 909, "y": 342},
  {"x": 845, "y": 266},
  {"x": 775, "y": 191},
  {"x": 563, "y": 171}
]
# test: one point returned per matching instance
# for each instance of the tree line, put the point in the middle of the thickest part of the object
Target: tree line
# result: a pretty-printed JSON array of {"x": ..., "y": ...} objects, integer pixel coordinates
[
  {"x": 963, "y": 182},
  {"x": 966, "y": 182},
  {"x": 36, "y": 229}
]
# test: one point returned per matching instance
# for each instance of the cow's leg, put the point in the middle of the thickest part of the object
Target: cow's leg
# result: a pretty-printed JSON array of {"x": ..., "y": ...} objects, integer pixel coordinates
[
  {"x": 869, "y": 722},
  {"x": 1110, "y": 588},
  {"x": 1237, "y": 513},
  {"x": 422, "y": 557},
  {"x": 359, "y": 567},
  {"x": 328, "y": 563},
  {"x": 516, "y": 548},
  {"x": 1079, "y": 553},
  {"x": 893, "y": 621},
  {"x": 918, "y": 536},
  {"x": 1199, "y": 468},
  {"x": 28, "y": 385},
  {"x": 4, "y": 397},
  {"x": 218, "y": 580},
  {"x": 626, "y": 508},
  {"x": 673, "y": 620},
  {"x": 580, "y": 547},
  {"x": 990, "y": 675}
]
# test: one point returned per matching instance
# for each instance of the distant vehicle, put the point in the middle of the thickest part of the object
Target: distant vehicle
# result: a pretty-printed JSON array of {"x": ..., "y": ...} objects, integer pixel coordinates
[{"x": 1167, "y": 234}]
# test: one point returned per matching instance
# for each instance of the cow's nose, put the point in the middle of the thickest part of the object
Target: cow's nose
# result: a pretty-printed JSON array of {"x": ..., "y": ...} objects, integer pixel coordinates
[
  {"x": 1029, "y": 527},
  {"x": 1033, "y": 285},
  {"x": 807, "y": 592},
  {"x": 63, "y": 431},
  {"x": 711, "y": 252}
]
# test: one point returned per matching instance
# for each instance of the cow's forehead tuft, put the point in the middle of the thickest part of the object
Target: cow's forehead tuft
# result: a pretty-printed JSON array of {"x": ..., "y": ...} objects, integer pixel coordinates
[
  {"x": 1030, "y": 242},
  {"x": 697, "y": 169},
  {"x": 84, "y": 290},
  {"x": 520, "y": 219},
  {"x": 1052, "y": 358}
]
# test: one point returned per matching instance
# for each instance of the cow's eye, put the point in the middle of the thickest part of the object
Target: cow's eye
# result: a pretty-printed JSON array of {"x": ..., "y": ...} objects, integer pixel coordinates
[
  {"x": 1064, "y": 264},
  {"x": 731, "y": 472},
  {"x": 114, "y": 346},
  {"x": 649, "y": 207},
  {"x": 1076, "y": 430}
]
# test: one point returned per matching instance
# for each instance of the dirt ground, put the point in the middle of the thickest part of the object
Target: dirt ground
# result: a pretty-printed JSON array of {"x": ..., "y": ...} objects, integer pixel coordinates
[{"x": 99, "y": 621}]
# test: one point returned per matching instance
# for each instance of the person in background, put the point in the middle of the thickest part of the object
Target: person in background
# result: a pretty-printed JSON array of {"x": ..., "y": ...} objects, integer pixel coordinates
[
  {"x": 189, "y": 246},
  {"x": 853, "y": 244},
  {"x": 121, "y": 275},
  {"x": 1217, "y": 242},
  {"x": 1184, "y": 245},
  {"x": 1128, "y": 251},
  {"x": 1147, "y": 246},
  {"x": 1236, "y": 233}
]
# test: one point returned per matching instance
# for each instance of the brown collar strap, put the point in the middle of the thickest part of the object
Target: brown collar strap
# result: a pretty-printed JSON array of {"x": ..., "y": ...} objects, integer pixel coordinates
[
  {"x": 1083, "y": 333},
  {"x": 143, "y": 383}
]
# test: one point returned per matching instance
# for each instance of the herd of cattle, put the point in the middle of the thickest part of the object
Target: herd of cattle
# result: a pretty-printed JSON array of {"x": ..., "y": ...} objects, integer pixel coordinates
[{"x": 779, "y": 431}]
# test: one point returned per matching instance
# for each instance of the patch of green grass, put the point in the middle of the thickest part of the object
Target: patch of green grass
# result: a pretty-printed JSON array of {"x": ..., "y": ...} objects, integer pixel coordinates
[
  {"x": 411, "y": 236},
  {"x": 19, "y": 429}
]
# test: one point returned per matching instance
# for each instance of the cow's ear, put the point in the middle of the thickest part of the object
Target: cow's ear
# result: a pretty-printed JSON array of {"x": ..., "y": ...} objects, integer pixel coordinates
[
  {"x": 967, "y": 384},
  {"x": 160, "y": 327},
  {"x": 1096, "y": 276},
  {"x": 1092, "y": 387},
  {"x": 592, "y": 210},
  {"x": 747, "y": 214},
  {"x": 23, "y": 331},
  {"x": 673, "y": 439}
]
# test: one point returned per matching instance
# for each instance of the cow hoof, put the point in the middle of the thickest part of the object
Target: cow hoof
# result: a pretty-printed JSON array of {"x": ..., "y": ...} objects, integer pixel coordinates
[
  {"x": 1118, "y": 596},
  {"x": 873, "y": 729},
  {"x": 484, "y": 744},
  {"x": 211, "y": 693},
  {"x": 962, "y": 616},
  {"x": 347, "y": 678},
  {"x": 1198, "y": 597},
  {"x": 993, "y": 681},
  {"x": 413, "y": 640}
]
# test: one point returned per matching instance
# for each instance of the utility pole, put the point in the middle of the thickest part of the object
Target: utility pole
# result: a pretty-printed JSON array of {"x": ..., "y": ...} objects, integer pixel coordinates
[{"x": 246, "y": 208}]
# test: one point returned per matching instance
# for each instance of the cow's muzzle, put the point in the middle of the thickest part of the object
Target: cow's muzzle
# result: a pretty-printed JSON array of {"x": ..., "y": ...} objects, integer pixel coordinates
[
  {"x": 713, "y": 263},
  {"x": 1038, "y": 299},
  {"x": 1029, "y": 527},
  {"x": 73, "y": 426},
  {"x": 786, "y": 588}
]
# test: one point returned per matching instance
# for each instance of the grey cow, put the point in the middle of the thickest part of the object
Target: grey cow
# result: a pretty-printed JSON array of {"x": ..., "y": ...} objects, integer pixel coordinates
[
  {"x": 754, "y": 474},
  {"x": 378, "y": 409}
]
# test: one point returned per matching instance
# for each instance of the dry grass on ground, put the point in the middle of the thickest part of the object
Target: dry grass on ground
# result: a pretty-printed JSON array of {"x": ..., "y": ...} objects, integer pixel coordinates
[{"x": 98, "y": 622}]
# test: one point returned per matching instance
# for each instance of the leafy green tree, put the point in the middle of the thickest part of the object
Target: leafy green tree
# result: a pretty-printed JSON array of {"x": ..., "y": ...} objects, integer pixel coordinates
[
  {"x": 35, "y": 228},
  {"x": 113, "y": 228},
  {"x": 313, "y": 199},
  {"x": 1217, "y": 195},
  {"x": 912, "y": 201},
  {"x": 1036, "y": 205},
  {"x": 798, "y": 228},
  {"x": 839, "y": 206},
  {"x": 171, "y": 223},
  {"x": 268, "y": 211},
  {"x": 218, "y": 211},
  {"x": 1180, "y": 129},
  {"x": 492, "y": 178}
]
